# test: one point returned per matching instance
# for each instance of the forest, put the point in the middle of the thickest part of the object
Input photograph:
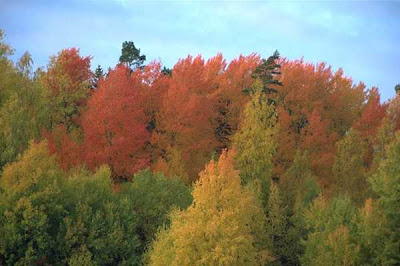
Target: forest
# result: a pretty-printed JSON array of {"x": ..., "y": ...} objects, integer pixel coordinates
[{"x": 256, "y": 161}]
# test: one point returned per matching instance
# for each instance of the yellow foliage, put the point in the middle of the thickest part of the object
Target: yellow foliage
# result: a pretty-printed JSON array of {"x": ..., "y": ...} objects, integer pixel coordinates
[
  {"x": 255, "y": 141},
  {"x": 223, "y": 226},
  {"x": 36, "y": 166}
]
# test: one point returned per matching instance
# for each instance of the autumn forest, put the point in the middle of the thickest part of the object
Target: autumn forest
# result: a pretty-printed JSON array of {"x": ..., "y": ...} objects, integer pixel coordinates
[{"x": 260, "y": 160}]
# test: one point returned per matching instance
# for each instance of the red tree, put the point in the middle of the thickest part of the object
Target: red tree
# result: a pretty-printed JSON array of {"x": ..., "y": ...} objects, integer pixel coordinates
[
  {"x": 320, "y": 145},
  {"x": 115, "y": 124}
]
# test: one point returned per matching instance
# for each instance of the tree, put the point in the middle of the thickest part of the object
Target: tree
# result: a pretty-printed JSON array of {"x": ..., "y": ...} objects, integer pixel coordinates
[
  {"x": 47, "y": 217},
  {"x": 187, "y": 111},
  {"x": 348, "y": 168},
  {"x": 329, "y": 240},
  {"x": 115, "y": 125},
  {"x": 382, "y": 140},
  {"x": 166, "y": 71},
  {"x": 319, "y": 143},
  {"x": 267, "y": 72},
  {"x": 282, "y": 238},
  {"x": 29, "y": 211},
  {"x": 385, "y": 183},
  {"x": 222, "y": 226},
  {"x": 98, "y": 74},
  {"x": 370, "y": 121},
  {"x": 230, "y": 99},
  {"x": 298, "y": 189},
  {"x": 101, "y": 226},
  {"x": 130, "y": 55},
  {"x": 397, "y": 88},
  {"x": 172, "y": 166},
  {"x": 23, "y": 114},
  {"x": 255, "y": 141},
  {"x": 153, "y": 196},
  {"x": 67, "y": 85},
  {"x": 371, "y": 233},
  {"x": 299, "y": 184}
]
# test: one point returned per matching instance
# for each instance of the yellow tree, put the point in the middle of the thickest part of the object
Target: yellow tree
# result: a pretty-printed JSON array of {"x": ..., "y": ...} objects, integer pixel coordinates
[
  {"x": 255, "y": 141},
  {"x": 223, "y": 226}
]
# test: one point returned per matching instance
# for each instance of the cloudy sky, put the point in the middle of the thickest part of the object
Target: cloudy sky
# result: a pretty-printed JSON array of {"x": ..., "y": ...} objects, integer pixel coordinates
[{"x": 361, "y": 37}]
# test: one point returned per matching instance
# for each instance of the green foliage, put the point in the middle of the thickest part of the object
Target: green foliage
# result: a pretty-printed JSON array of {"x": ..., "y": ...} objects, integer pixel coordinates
[
  {"x": 267, "y": 72},
  {"x": 386, "y": 184},
  {"x": 329, "y": 241},
  {"x": 278, "y": 227},
  {"x": 101, "y": 223},
  {"x": 371, "y": 233},
  {"x": 223, "y": 226},
  {"x": 384, "y": 137},
  {"x": 348, "y": 168},
  {"x": 31, "y": 209},
  {"x": 48, "y": 219},
  {"x": 22, "y": 117},
  {"x": 131, "y": 56},
  {"x": 299, "y": 183},
  {"x": 153, "y": 196}
]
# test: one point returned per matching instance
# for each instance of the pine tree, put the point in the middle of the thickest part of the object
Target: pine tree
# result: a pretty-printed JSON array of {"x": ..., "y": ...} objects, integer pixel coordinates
[
  {"x": 130, "y": 55},
  {"x": 267, "y": 72}
]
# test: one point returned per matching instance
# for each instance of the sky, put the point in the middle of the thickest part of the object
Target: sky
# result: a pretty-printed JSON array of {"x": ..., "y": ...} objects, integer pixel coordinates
[{"x": 362, "y": 37}]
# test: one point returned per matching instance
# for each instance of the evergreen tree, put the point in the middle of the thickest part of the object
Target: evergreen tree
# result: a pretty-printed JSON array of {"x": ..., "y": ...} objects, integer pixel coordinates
[
  {"x": 98, "y": 74},
  {"x": 267, "y": 72},
  {"x": 130, "y": 55}
]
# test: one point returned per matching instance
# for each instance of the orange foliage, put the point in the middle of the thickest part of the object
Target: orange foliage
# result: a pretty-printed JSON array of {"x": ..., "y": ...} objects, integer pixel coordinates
[{"x": 115, "y": 124}]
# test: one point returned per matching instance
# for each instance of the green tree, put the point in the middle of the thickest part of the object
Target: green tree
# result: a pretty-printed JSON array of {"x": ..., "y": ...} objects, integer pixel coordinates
[
  {"x": 46, "y": 218},
  {"x": 371, "y": 233},
  {"x": 223, "y": 226},
  {"x": 278, "y": 227},
  {"x": 299, "y": 182},
  {"x": 386, "y": 183},
  {"x": 98, "y": 74},
  {"x": 329, "y": 240},
  {"x": 153, "y": 196},
  {"x": 23, "y": 115},
  {"x": 30, "y": 207},
  {"x": 384, "y": 137},
  {"x": 130, "y": 55},
  {"x": 348, "y": 167},
  {"x": 267, "y": 72}
]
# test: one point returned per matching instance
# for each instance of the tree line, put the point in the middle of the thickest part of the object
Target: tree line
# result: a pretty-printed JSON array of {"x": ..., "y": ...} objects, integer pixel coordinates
[{"x": 249, "y": 162}]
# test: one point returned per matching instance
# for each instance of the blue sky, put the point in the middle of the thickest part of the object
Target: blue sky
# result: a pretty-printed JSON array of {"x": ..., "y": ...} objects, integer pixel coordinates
[{"x": 361, "y": 37}]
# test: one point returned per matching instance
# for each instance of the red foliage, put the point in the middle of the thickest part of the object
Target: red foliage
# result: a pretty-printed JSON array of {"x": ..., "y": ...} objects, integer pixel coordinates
[
  {"x": 188, "y": 108},
  {"x": 320, "y": 145},
  {"x": 68, "y": 151},
  {"x": 70, "y": 64},
  {"x": 115, "y": 124},
  {"x": 372, "y": 115}
]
